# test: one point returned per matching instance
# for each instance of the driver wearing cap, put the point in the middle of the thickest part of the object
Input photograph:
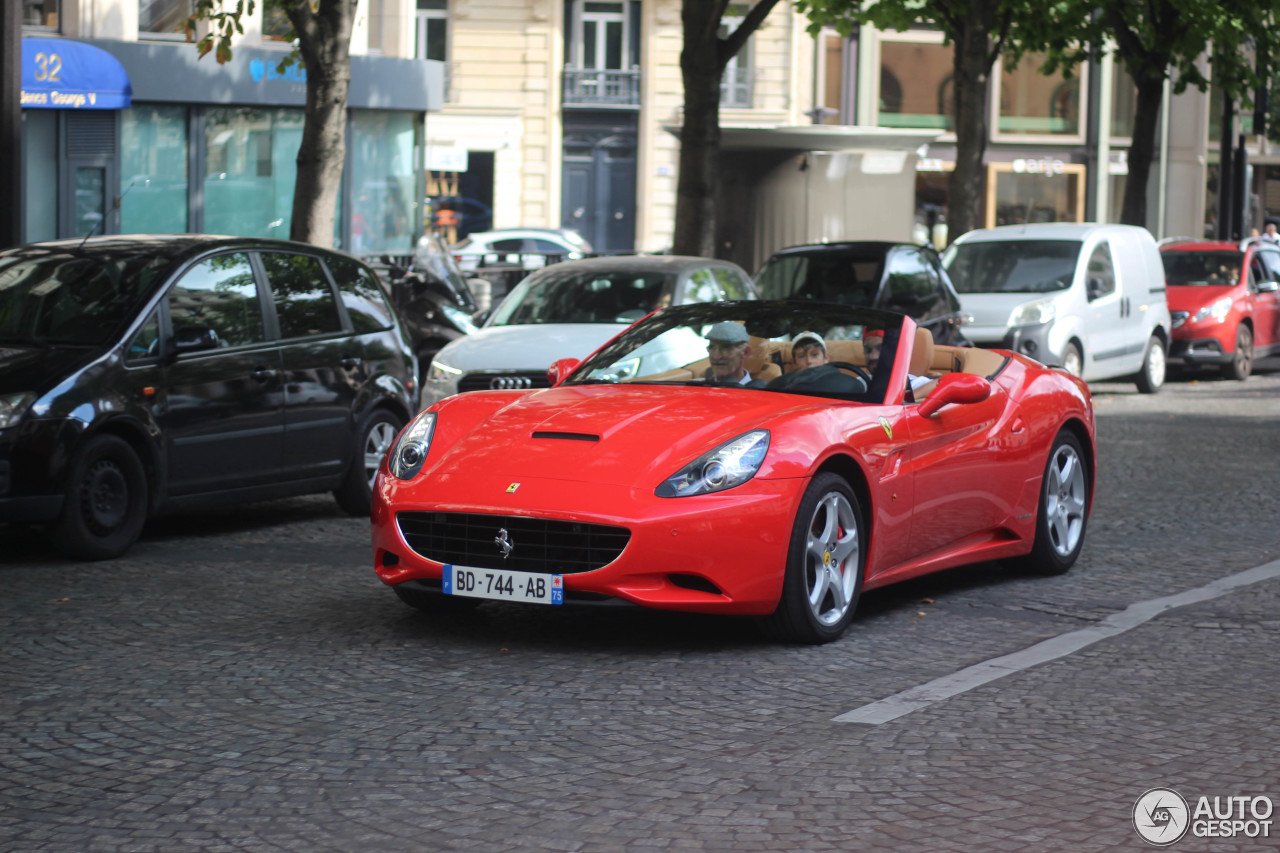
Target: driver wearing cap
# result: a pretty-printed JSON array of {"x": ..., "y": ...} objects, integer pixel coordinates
[{"x": 728, "y": 346}]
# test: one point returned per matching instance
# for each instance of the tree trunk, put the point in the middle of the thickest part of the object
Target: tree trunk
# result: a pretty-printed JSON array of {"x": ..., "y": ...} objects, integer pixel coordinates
[
  {"x": 971, "y": 67},
  {"x": 700, "y": 68},
  {"x": 1142, "y": 151},
  {"x": 324, "y": 41}
]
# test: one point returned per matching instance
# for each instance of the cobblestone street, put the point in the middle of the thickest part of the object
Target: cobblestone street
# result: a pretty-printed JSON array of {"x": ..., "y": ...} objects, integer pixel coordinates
[{"x": 242, "y": 682}]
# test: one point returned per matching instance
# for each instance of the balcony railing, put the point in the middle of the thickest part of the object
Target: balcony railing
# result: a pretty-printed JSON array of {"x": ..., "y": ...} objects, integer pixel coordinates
[
  {"x": 735, "y": 88},
  {"x": 593, "y": 88}
]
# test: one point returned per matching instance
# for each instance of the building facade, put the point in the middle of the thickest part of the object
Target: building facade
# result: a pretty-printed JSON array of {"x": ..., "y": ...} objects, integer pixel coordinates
[
  {"x": 127, "y": 130},
  {"x": 565, "y": 113}
]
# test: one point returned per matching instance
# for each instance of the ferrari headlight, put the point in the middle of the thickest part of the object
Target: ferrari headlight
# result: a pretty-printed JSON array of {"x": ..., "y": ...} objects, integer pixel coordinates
[
  {"x": 410, "y": 450},
  {"x": 441, "y": 373},
  {"x": 731, "y": 464},
  {"x": 1034, "y": 313},
  {"x": 1217, "y": 309},
  {"x": 13, "y": 407}
]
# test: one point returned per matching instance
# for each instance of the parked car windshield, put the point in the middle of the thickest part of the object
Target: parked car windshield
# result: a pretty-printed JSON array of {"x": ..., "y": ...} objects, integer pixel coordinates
[
  {"x": 72, "y": 297},
  {"x": 844, "y": 276},
  {"x": 574, "y": 295},
  {"x": 1012, "y": 266},
  {"x": 1202, "y": 268}
]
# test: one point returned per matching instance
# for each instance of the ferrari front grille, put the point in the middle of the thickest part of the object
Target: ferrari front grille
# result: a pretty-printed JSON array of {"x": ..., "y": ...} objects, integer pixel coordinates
[{"x": 512, "y": 542}]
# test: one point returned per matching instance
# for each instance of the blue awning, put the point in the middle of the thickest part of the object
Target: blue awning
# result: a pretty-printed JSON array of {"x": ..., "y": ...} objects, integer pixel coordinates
[{"x": 60, "y": 74}]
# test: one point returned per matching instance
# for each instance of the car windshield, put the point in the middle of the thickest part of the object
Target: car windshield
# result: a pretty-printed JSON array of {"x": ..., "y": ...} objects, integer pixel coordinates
[
  {"x": 847, "y": 276},
  {"x": 69, "y": 296},
  {"x": 1202, "y": 268},
  {"x": 575, "y": 295},
  {"x": 712, "y": 344},
  {"x": 1012, "y": 266}
]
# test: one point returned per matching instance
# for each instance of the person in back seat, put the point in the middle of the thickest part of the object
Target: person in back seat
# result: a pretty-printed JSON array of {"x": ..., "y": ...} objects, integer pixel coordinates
[
  {"x": 872, "y": 342},
  {"x": 813, "y": 373}
]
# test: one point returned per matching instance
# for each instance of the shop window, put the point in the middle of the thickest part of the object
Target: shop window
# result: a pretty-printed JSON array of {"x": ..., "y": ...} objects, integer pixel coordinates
[
  {"x": 1032, "y": 103},
  {"x": 250, "y": 170},
  {"x": 153, "y": 158},
  {"x": 835, "y": 81},
  {"x": 1124, "y": 101},
  {"x": 915, "y": 85},
  {"x": 1024, "y": 191},
  {"x": 42, "y": 14},
  {"x": 385, "y": 210},
  {"x": 164, "y": 18},
  {"x": 276, "y": 25}
]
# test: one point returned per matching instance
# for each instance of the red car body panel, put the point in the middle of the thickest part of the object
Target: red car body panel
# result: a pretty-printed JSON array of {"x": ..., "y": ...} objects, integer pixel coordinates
[{"x": 960, "y": 487}]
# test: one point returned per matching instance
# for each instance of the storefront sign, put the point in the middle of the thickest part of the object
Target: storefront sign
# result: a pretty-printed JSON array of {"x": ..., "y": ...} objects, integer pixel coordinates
[
  {"x": 1047, "y": 166},
  {"x": 60, "y": 74}
]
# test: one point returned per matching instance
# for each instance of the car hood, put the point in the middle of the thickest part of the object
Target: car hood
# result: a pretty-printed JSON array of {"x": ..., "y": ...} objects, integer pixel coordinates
[
  {"x": 600, "y": 434},
  {"x": 526, "y": 347},
  {"x": 38, "y": 369},
  {"x": 1189, "y": 297}
]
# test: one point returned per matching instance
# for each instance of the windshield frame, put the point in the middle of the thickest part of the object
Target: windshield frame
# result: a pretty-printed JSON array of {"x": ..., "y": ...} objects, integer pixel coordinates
[
  {"x": 771, "y": 324},
  {"x": 1005, "y": 252}
]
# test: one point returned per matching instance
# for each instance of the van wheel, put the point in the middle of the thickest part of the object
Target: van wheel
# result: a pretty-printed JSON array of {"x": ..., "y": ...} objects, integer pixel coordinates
[
  {"x": 1241, "y": 364},
  {"x": 376, "y": 435},
  {"x": 1071, "y": 360},
  {"x": 106, "y": 501},
  {"x": 1151, "y": 377}
]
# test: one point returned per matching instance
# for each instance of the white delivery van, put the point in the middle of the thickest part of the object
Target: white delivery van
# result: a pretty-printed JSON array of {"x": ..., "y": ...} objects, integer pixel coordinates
[{"x": 1086, "y": 297}]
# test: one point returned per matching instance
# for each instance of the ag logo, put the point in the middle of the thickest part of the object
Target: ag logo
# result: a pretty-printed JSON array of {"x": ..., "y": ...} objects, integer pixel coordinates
[{"x": 1161, "y": 816}]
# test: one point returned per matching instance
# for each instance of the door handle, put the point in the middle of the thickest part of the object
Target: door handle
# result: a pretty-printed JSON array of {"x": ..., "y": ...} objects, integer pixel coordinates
[{"x": 263, "y": 374}]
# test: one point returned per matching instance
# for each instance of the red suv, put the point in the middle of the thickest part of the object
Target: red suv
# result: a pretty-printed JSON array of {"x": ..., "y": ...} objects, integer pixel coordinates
[{"x": 1225, "y": 302}]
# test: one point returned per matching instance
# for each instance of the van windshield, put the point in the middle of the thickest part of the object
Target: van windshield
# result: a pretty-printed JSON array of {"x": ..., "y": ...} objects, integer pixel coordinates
[{"x": 1012, "y": 266}]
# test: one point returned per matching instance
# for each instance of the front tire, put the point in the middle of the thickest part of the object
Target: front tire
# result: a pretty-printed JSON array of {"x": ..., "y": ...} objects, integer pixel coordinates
[
  {"x": 1063, "y": 512},
  {"x": 376, "y": 435},
  {"x": 1151, "y": 378},
  {"x": 1241, "y": 364},
  {"x": 1072, "y": 362},
  {"x": 106, "y": 501},
  {"x": 825, "y": 562}
]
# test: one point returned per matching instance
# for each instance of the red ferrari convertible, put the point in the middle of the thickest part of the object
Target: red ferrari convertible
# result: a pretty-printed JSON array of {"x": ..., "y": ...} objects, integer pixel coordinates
[{"x": 708, "y": 459}]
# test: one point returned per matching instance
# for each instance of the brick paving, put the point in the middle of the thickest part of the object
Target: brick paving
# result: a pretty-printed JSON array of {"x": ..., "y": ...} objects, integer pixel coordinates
[{"x": 241, "y": 682}]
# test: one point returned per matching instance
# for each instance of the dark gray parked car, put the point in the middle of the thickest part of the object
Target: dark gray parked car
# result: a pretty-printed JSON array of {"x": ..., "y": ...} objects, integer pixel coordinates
[{"x": 898, "y": 277}]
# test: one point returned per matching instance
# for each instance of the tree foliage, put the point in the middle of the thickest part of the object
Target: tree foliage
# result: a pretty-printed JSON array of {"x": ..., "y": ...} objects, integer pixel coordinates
[{"x": 1163, "y": 40}]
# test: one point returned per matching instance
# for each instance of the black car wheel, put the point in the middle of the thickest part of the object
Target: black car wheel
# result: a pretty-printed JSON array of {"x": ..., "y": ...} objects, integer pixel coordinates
[
  {"x": 1241, "y": 364},
  {"x": 1063, "y": 511},
  {"x": 374, "y": 439},
  {"x": 106, "y": 501},
  {"x": 824, "y": 565}
]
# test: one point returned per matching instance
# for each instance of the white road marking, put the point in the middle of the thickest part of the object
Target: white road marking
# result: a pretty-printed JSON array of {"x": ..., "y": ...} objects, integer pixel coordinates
[{"x": 915, "y": 698}]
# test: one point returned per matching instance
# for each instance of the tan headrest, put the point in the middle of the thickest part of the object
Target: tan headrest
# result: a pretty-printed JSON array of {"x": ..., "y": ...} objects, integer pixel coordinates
[{"x": 922, "y": 353}]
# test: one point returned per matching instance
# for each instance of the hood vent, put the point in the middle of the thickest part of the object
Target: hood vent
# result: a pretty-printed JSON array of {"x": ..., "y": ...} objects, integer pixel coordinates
[{"x": 568, "y": 436}]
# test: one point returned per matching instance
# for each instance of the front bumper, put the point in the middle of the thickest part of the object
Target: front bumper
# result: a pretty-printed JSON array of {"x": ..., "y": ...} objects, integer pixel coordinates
[
  {"x": 718, "y": 553},
  {"x": 1196, "y": 351},
  {"x": 1031, "y": 341}
]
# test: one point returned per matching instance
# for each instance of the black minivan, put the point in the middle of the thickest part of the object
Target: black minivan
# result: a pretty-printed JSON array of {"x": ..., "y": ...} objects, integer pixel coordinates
[{"x": 142, "y": 374}]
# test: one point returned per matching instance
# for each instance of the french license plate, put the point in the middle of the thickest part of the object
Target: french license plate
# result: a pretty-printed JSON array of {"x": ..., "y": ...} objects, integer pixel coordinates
[{"x": 502, "y": 585}]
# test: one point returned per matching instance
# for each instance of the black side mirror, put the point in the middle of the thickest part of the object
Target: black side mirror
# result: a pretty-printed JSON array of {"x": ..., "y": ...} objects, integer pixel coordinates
[{"x": 194, "y": 339}]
